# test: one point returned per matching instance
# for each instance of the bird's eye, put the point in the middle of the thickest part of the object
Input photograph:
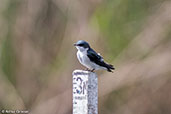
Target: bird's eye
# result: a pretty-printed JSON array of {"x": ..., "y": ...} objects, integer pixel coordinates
[{"x": 80, "y": 44}]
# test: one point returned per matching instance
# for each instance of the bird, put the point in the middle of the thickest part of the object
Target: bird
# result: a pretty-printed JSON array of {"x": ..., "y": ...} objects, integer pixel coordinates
[{"x": 90, "y": 59}]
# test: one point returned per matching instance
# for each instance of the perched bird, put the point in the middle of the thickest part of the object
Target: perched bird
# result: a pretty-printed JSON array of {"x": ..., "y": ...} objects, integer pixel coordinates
[{"x": 90, "y": 59}]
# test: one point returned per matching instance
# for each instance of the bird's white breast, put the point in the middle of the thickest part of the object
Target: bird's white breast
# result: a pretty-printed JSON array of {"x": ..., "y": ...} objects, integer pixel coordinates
[{"x": 84, "y": 60}]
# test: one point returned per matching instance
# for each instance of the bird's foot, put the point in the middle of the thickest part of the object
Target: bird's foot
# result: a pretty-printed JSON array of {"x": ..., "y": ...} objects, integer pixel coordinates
[
  {"x": 92, "y": 70},
  {"x": 87, "y": 69}
]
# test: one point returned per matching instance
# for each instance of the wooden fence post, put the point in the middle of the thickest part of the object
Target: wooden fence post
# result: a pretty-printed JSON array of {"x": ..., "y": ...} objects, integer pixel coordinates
[{"x": 85, "y": 92}]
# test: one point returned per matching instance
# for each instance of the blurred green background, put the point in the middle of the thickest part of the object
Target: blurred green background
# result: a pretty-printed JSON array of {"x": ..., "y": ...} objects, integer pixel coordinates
[{"x": 37, "y": 56}]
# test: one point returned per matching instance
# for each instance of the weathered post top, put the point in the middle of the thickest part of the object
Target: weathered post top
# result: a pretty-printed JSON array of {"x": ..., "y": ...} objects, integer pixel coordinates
[{"x": 85, "y": 92}]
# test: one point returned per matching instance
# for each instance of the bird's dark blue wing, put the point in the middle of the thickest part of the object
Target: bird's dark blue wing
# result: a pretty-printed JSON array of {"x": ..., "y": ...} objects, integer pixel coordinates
[{"x": 96, "y": 58}]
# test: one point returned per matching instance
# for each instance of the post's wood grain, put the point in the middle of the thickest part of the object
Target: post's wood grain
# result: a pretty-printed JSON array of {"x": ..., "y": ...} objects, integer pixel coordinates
[{"x": 85, "y": 92}]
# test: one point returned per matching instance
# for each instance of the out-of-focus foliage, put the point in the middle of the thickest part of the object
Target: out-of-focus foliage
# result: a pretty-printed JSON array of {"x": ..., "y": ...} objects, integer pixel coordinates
[
  {"x": 37, "y": 56},
  {"x": 121, "y": 20}
]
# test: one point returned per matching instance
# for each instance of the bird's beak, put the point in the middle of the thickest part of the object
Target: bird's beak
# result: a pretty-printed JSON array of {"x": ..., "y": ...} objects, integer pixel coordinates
[{"x": 75, "y": 44}]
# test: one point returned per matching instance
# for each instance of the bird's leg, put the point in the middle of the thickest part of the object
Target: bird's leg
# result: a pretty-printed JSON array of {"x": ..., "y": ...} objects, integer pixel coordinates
[
  {"x": 87, "y": 69},
  {"x": 92, "y": 70}
]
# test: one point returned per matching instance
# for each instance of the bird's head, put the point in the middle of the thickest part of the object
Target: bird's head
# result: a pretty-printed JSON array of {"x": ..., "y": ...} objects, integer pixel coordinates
[{"x": 82, "y": 45}]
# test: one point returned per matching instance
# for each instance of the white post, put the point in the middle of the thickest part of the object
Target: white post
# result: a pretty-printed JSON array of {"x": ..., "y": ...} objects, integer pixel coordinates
[{"x": 85, "y": 92}]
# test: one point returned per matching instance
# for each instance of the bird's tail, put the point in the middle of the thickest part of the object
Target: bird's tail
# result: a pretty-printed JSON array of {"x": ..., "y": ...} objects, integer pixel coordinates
[{"x": 109, "y": 67}]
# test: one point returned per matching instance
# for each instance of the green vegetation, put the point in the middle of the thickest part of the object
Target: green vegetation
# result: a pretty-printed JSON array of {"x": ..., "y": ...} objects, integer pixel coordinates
[{"x": 37, "y": 56}]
